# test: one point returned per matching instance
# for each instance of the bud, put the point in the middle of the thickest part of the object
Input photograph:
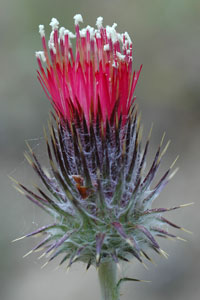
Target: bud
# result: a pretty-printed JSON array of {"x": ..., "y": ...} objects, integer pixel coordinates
[{"x": 97, "y": 192}]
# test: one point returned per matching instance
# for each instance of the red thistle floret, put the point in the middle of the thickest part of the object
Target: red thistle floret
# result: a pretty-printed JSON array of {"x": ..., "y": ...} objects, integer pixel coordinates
[
  {"x": 96, "y": 80},
  {"x": 97, "y": 189}
]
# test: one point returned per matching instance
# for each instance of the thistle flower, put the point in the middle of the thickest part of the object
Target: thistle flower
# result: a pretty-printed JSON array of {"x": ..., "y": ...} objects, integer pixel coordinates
[{"x": 97, "y": 189}]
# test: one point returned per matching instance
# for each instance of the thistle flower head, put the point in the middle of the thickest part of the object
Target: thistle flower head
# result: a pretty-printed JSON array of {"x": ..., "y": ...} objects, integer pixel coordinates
[
  {"x": 97, "y": 81},
  {"x": 97, "y": 189}
]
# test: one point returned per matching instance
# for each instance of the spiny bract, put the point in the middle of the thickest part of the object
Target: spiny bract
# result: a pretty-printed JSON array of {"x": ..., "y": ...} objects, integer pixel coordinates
[{"x": 97, "y": 190}]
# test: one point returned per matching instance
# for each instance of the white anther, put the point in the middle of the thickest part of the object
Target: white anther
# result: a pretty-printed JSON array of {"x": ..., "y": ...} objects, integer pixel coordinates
[
  {"x": 115, "y": 64},
  {"x": 91, "y": 31},
  {"x": 106, "y": 47},
  {"x": 99, "y": 22},
  {"x": 54, "y": 23},
  {"x": 40, "y": 55},
  {"x": 78, "y": 19},
  {"x": 41, "y": 30},
  {"x": 127, "y": 36},
  {"x": 114, "y": 25},
  {"x": 97, "y": 34},
  {"x": 111, "y": 34},
  {"x": 69, "y": 33},
  {"x": 120, "y": 56},
  {"x": 61, "y": 33},
  {"x": 83, "y": 32},
  {"x": 52, "y": 46}
]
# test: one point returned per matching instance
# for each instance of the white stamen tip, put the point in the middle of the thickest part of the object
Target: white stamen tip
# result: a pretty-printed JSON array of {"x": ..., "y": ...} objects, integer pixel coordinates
[
  {"x": 61, "y": 33},
  {"x": 111, "y": 34},
  {"x": 120, "y": 56},
  {"x": 40, "y": 55},
  {"x": 78, "y": 19},
  {"x": 115, "y": 65},
  {"x": 106, "y": 47},
  {"x": 83, "y": 32},
  {"x": 97, "y": 34},
  {"x": 127, "y": 36},
  {"x": 52, "y": 46},
  {"x": 91, "y": 31},
  {"x": 99, "y": 22},
  {"x": 54, "y": 23},
  {"x": 69, "y": 33},
  {"x": 41, "y": 30},
  {"x": 114, "y": 25}
]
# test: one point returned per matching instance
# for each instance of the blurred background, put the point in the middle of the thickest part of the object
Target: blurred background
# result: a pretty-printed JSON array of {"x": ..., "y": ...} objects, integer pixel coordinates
[{"x": 166, "y": 37}]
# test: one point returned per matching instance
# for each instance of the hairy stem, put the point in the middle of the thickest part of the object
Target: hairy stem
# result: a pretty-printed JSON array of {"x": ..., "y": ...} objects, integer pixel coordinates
[{"x": 107, "y": 278}]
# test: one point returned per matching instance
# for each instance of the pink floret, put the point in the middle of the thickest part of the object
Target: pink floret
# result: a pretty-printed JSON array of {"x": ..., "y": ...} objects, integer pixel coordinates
[{"x": 95, "y": 80}]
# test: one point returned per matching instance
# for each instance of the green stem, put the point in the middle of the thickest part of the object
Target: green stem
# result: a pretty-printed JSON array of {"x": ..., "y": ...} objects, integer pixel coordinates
[{"x": 107, "y": 278}]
